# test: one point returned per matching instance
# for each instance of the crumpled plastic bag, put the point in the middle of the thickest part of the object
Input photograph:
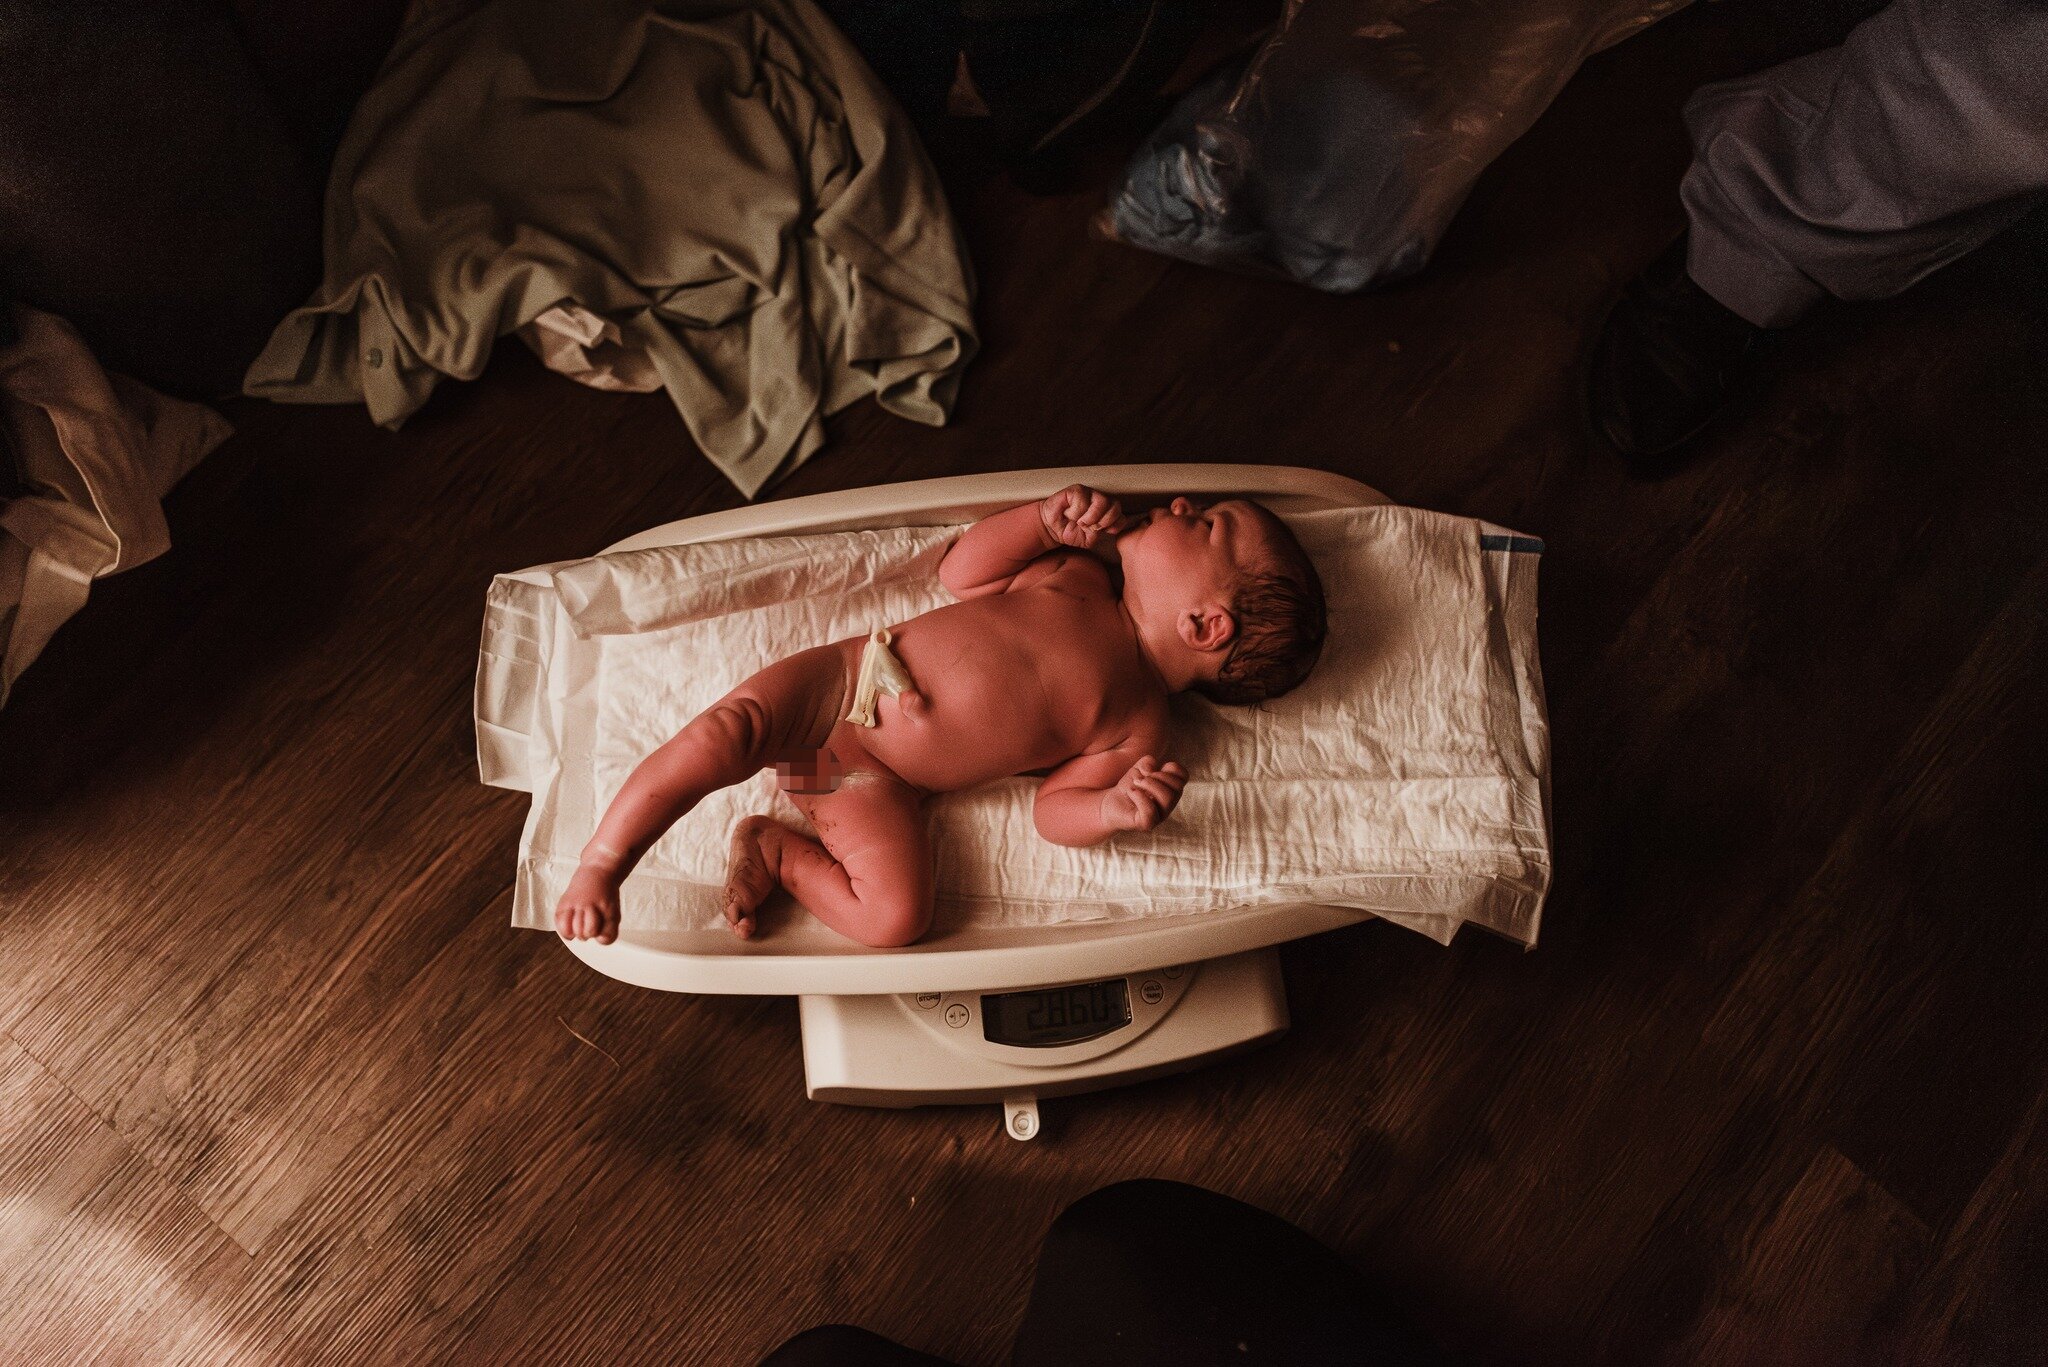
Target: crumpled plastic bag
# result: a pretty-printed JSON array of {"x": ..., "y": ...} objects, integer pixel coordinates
[{"x": 1339, "y": 155}]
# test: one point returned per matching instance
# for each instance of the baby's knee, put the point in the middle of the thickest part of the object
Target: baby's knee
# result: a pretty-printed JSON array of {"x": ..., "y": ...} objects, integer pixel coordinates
[{"x": 894, "y": 920}]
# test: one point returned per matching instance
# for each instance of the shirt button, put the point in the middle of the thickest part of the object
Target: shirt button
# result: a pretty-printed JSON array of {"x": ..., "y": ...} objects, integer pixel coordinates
[{"x": 375, "y": 357}]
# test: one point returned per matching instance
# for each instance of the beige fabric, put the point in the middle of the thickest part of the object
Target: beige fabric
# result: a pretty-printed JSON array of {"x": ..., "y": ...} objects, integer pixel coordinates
[
  {"x": 724, "y": 184},
  {"x": 97, "y": 452}
]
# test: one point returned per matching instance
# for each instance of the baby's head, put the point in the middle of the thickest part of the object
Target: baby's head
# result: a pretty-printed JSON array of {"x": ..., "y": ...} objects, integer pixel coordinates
[{"x": 1242, "y": 594}]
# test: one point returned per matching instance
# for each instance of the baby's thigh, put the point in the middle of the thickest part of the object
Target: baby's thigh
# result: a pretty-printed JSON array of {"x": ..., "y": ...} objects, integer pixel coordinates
[
  {"x": 875, "y": 827},
  {"x": 797, "y": 700}
]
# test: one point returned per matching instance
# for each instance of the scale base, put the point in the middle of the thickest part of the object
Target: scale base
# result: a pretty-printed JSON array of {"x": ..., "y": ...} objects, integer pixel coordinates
[{"x": 929, "y": 1050}]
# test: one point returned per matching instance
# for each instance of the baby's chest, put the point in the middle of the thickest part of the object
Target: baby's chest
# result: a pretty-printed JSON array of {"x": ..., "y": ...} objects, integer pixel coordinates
[{"x": 1038, "y": 664}]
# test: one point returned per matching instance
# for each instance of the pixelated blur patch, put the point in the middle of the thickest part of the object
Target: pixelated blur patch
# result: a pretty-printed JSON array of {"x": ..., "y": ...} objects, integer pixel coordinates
[{"x": 808, "y": 773}]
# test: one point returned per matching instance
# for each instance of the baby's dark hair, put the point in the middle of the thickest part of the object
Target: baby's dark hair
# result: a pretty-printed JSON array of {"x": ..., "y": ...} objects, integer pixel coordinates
[{"x": 1281, "y": 623}]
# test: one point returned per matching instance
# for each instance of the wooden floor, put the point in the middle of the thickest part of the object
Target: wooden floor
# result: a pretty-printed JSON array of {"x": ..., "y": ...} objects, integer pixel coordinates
[{"x": 279, "y": 1085}]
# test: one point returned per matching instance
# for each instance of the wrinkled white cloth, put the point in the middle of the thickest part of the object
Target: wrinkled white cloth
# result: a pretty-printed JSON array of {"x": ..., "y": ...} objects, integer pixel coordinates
[
  {"x": 97, "y": 453},
  {"x": 1406, "y": 777},
  {"x": 571, "y": 340}
]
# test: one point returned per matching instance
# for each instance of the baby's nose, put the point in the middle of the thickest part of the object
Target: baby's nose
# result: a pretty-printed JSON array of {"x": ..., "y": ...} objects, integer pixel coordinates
[{"x": 1182, "y": 507}]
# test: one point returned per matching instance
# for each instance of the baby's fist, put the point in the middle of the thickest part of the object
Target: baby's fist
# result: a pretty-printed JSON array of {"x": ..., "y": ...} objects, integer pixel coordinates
[
  {"x": 1146, "y": 794},
  {"x": 1079, "y": 516}
]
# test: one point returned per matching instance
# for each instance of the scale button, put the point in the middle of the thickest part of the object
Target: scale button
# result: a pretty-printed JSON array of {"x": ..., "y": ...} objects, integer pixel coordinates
[
  {"x": 1152, "y": 992},
  {"x": 956, "y": 1015},
  {"x": 1176, "y": 970},
  {"x": 927, "y": 1000}
]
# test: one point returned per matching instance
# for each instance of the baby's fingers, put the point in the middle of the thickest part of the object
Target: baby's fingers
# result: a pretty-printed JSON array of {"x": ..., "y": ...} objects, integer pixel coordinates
[{"x": 1158, "y": 790}]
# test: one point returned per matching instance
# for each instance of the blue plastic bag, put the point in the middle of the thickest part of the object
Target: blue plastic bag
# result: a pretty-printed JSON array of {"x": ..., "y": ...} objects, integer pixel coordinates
[{"x": 1339, "y": 154}]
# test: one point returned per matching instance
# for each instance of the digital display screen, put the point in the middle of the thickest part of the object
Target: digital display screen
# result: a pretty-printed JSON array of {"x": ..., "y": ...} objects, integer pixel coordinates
[{"x": 1056, "y": 1015}]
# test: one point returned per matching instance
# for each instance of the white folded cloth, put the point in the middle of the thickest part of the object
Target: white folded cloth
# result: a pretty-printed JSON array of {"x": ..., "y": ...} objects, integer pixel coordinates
[{"x": 97, "y": 453}]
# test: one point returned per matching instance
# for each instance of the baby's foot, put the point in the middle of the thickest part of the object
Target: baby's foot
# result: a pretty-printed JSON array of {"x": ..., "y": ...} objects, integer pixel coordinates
[
  {"x": 748, "y": 877},
  {"x": 589, "y": 909}
]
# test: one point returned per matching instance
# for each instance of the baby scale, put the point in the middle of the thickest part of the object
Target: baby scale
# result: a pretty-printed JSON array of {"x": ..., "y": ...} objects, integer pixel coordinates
[
  {"x": 1015, "y": 1046},
  {"x": 975, "y": 1014}
]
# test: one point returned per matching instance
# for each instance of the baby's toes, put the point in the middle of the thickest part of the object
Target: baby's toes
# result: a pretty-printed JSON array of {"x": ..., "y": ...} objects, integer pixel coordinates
[{"x": 739, "y": 916}]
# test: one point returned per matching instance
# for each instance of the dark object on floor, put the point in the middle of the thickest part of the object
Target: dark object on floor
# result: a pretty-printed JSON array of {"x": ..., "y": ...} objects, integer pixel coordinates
[
  {"x": 316, "y": 58},
  {"x": 1036, "y": 77},
  {"x": 1666, "y": 362},
  {"x": 1049, "y": 78},
  {"x": 153, "y": 196},
  {"x": 912, "y": 45},
  {"x": 842, "y": 1345},
  {"x": 1161, "y": 1274}
]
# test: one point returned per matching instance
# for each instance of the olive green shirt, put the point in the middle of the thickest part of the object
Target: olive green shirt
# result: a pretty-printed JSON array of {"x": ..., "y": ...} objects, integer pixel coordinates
[{"x": 725, "y": 181}]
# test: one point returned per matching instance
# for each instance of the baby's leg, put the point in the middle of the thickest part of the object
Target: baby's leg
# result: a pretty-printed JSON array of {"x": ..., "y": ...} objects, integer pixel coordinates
[
  {"x": 790, "y": 706},
  {"x": 870, "y": 880}
]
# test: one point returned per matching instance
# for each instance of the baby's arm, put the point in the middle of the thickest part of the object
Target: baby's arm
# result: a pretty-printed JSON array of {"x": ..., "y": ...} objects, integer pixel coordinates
[
  {"x": 1090, "y": 798},
  {"x": 989, "y": 554}
]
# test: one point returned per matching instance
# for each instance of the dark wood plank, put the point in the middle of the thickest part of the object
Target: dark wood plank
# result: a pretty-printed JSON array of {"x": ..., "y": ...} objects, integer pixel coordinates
[
  {"x": 1981, "y": 1300},
  {"x": 1836, "y": 1249}
]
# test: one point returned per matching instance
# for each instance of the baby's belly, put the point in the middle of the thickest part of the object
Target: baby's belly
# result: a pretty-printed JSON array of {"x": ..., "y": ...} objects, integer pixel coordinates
[
  {"x": 977, "y": 723},
  {"x": 938, "y": 755}
]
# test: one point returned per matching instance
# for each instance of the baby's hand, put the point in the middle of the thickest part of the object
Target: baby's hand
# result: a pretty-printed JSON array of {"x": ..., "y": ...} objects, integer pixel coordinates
[
  {"x": 1079, "y": 516},
  {"x": 589, "y": 910},
  {"x": 1144, "y": 796}
]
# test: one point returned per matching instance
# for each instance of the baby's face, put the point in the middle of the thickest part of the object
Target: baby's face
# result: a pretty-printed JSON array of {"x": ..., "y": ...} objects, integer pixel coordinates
[{"x": 1191, "y": 551}]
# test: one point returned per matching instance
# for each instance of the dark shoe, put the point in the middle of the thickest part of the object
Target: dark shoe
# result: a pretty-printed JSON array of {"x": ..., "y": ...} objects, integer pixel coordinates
[{"x": 1668, "y": 360}]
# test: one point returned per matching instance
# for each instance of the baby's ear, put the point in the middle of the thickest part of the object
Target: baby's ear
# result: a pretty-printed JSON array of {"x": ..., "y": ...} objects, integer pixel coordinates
[{"x": 1209, "y": 628}]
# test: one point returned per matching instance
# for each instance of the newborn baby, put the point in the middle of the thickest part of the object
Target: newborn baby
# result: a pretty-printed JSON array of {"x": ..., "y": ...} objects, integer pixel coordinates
[{"x": 1076, "y": 624}]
